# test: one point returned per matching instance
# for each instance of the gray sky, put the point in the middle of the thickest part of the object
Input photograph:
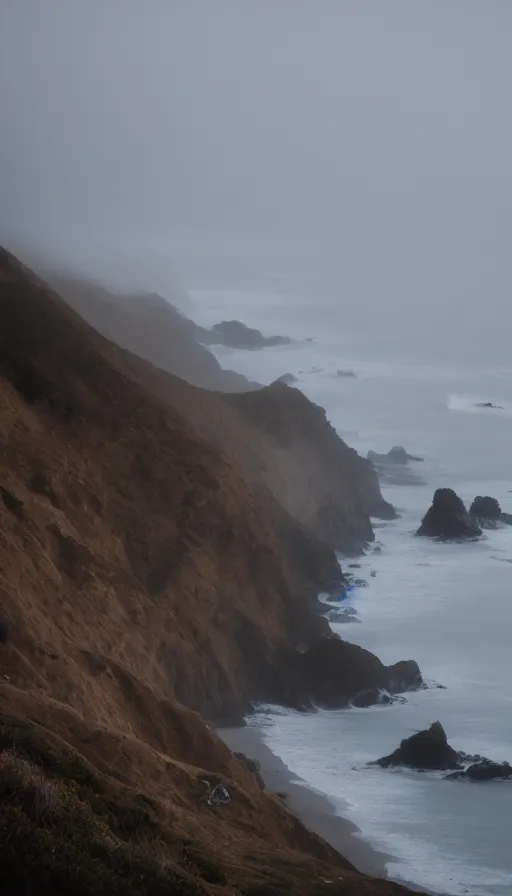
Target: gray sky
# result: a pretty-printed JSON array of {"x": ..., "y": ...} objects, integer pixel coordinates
[{"x": 374, "y": 135}]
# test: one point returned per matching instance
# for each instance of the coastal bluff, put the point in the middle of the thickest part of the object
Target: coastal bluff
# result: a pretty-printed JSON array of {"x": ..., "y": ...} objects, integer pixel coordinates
[{"x": 148, "y": 586}]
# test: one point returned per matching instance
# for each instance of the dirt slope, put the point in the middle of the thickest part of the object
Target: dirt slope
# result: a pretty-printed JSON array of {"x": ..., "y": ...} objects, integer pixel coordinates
[{"x": 138, "y": 572}]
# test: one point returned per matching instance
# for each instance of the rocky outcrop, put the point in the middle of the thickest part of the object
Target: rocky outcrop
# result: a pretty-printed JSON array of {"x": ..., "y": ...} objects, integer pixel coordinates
[
  {"x": 489, "y": 404},
  {"x": 485, "y": 770},
  {"x": 448, "y": 518},
  {"x": 427, "y": 749},
  {"x": 334, "y": 673},
  {"x": 235, "y": 334},
  {"x": 393, "y": 467},
  {"x": 487, "y": 513},
  {"x": 396, "y": 456}
]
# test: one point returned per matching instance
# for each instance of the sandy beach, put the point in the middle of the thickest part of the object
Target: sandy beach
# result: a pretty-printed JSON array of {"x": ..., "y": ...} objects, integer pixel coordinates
[{"x": 312, "y": 807}]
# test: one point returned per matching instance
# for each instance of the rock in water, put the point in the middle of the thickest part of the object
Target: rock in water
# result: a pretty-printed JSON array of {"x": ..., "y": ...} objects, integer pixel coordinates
[
  {"x": 235, "y": 334},
  {"x": 427, "y": 749},
  {"x": 334, "y": 673},
  {"x": 448, "y": 518},
  {"x": 487, "y": 513},
  {"x": 489, "y": 404},
  {"x": 488, "y": 770},
  {"x": 396, "y": 456},
  {"x": 486, "y": 508},
  {"x": 394, "y": 467}
]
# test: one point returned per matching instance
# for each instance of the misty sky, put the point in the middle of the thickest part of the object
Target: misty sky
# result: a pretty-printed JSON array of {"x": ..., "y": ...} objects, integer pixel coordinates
[{"x": 376, "y": 136}]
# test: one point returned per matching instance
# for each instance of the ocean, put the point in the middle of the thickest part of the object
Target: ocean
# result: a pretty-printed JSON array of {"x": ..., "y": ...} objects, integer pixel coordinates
[{"x": 448, "y": 606}]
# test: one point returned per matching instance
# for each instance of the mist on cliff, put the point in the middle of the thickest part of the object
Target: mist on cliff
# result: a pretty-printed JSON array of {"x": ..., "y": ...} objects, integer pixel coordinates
[{"x": 367, "y": 146}]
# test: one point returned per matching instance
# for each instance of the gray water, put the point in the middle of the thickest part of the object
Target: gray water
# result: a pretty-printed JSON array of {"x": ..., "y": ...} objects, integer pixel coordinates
[{"x": 447, "y": 606}]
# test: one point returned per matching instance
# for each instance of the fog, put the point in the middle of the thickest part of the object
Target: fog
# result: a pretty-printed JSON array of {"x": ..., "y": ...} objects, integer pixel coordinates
[{"x": 363, "y": 145}]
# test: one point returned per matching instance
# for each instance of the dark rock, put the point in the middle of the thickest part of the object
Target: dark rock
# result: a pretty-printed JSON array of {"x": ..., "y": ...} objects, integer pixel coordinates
[
  {"x": 486, "y": 770},
  {"x": 448, "y": 518},
  {"x": 393, "y": 467},
  {"x": 333, "y": 672},
  {"x": 489, "y": 404},
  {"x": 486, "y": 508},
  {"x": 396, "y": 456},
  {"x": 487, "y": 517},
  {"x": 427, "y": 749},
  {"x": 483, "y": 770},
  {"x": 487, "y": 512},
  {"x": 346, "y": 373},
  {"x": 371, "y": 697},
  {"x": 235, "y": 334}
]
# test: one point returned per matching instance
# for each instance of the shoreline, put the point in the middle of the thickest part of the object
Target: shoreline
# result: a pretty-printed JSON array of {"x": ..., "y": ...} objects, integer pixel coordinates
[{"x": 313, "y": 808}]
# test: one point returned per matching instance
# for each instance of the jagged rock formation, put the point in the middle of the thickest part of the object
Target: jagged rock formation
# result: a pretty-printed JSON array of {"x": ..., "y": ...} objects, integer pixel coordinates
[
  {"x": 448, "y": 518},
  {"x": 141, "y": 578},
  {"x": 427, "y": 749}
]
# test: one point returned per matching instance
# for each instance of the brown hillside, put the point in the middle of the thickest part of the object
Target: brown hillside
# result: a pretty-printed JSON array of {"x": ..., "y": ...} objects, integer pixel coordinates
[
  {"x": 138, "y": 572},
  {"x": 152, "y": 328},
  {"x": 276, "y": 435}
]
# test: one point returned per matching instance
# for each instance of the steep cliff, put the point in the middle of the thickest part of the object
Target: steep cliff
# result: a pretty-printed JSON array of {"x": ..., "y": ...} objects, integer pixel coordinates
[
  {"x": 139, "y": 571},
  {"x": 276, "y": 435},
  {"x": 152, "y": 328},
  {"x": 135, "y": 523}
]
